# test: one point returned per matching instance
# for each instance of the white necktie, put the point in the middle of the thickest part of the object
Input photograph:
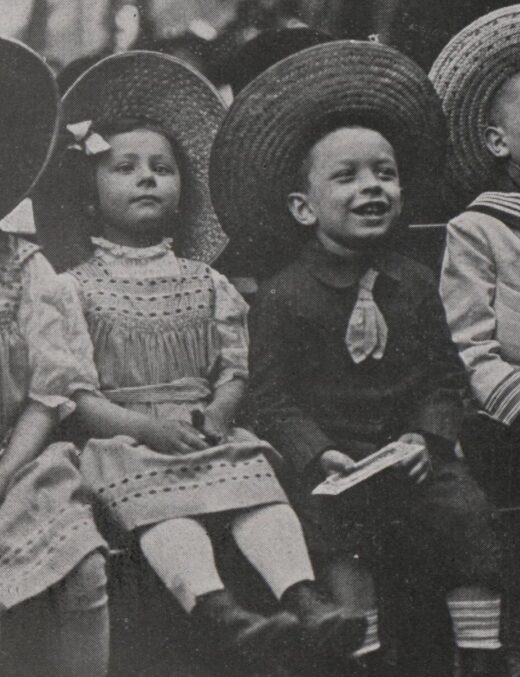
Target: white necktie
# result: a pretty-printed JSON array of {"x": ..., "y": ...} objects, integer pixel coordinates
[{"x": 367, "y": 331}]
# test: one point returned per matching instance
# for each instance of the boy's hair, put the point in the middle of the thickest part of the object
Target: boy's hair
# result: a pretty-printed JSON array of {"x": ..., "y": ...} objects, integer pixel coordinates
[
  {"x": 338, "y": 120},
  {"x": 503, "y": 96}
]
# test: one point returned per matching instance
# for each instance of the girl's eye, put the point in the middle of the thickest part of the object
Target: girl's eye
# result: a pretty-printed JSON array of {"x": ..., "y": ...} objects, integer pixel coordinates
[
  {"x": 163, "y": 169},
  {"x": 124, "y": 167}
]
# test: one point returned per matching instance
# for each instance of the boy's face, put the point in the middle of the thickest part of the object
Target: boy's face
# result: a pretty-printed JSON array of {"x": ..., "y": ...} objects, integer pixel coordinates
[
  {"x": 503, "y": 132},
  {"x": 353, "y": 194},
  {"x": 138, "y": 183}
]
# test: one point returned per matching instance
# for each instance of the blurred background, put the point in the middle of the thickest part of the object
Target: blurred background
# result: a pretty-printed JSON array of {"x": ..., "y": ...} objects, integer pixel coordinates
[
  {"x": 232, "y": 41},
  {"x": 208, "y": 32}
]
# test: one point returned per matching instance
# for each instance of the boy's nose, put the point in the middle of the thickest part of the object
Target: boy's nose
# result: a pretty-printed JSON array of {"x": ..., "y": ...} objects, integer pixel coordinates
[{"x": 370, "y": 182}]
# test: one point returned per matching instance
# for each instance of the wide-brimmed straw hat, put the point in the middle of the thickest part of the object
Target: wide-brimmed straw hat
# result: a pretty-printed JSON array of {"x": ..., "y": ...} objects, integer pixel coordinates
[
  {"x": 259, "y": 148},
  {"x": 147, "y": 86},
  {"x": 29, "y": 121},
  {"x": 467, "y": 74},
  {"x": 268, "y": 47}
]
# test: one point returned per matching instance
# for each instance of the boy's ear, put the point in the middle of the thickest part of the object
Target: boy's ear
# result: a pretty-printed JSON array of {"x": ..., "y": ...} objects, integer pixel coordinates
[
  {"x": 301, "y": 210},
  {"x": 496, "y": 141}
]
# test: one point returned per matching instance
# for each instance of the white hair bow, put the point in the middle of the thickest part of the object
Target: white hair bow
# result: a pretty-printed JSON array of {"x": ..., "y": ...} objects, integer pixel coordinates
[{"x": 90, "y": 143}]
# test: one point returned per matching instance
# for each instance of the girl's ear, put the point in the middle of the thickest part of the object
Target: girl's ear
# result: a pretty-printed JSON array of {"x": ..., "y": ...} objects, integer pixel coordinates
[
  {"x": 496, "y": 142},
  {"x": 301, "y": 209}
]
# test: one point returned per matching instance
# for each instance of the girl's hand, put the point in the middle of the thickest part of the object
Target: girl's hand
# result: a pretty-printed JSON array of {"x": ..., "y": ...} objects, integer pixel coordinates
[
  {"x": 4, "y": 483},
  {"x": 418, "y": 466},
  {"x": 172, "y": 437},
  {"x": 333, "y": 461},
  {"x": 215, "y": 425}
]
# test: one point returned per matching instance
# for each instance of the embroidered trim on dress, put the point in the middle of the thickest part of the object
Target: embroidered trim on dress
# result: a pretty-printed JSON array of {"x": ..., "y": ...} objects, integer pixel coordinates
[{"x": 119, "y": 250}]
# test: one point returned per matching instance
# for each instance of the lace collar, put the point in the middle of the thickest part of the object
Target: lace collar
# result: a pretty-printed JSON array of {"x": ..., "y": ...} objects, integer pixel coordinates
[{"x": 123, "y": 251}]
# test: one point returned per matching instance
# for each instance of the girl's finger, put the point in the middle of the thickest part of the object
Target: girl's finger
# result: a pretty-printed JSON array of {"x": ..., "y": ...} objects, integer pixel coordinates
[{"x": 193, "y": 440}]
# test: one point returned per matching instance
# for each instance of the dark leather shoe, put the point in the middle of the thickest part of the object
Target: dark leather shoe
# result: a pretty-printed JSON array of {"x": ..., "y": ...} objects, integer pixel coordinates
[
  {"x": 482, "y": 663},
  {"x": 329, "y": 630},
  {"x": 228, "y": 629}
]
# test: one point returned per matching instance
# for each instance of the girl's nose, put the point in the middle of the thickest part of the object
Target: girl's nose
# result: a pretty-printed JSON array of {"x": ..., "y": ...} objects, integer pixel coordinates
[{"x": 146, "y": 176}]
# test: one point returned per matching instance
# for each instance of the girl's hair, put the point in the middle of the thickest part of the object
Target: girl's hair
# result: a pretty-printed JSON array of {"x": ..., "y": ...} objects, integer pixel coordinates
[{"x": 83, "y": 168}]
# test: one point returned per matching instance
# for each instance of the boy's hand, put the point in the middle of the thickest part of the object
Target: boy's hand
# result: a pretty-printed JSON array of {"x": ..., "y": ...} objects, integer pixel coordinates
[
  {"x": 173, "y": 437},
  {"x": 418, "y": 466},
  {"x": 333, "y": 461}
]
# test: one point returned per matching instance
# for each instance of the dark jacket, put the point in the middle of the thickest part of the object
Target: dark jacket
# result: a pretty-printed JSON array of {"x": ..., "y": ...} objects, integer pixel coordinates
[{"x": 306, "y": 393}]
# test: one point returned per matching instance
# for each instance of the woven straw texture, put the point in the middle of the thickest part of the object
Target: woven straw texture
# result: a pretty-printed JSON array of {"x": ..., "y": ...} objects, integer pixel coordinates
[
  {"x": 467, "y": 74},
  {"x": 161, "y": 89},
  {"x": 257, "y": 150},
  {"x": 267, "y": 48},
  {"x": 29, "y": 122}
]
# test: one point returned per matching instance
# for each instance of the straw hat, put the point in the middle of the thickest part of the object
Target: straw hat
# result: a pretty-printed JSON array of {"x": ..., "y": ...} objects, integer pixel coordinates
[
  {"x": 156, "y": 88},
  {"x": 467, "y": 74},
  {"x": 259, "y": 148},
  {"x": 268, "y": 47},
  {"x": 29, "y": 106}
]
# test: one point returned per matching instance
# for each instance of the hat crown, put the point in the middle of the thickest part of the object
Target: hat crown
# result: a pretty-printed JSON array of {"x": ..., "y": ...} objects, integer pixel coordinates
[
  {"x": 163, "y": 90},
  {"x": 467, "y": 75},
  {"x": 29, "y": 120},
  {"x": 257, "y": 151}
]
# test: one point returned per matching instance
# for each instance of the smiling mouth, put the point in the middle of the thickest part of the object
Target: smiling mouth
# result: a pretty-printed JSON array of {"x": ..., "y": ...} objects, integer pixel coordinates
[{"x": 372, "y": 209}]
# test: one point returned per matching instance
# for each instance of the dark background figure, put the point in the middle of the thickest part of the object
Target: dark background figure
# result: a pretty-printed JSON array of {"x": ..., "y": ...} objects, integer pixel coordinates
[{"x": 416, "y": 27}]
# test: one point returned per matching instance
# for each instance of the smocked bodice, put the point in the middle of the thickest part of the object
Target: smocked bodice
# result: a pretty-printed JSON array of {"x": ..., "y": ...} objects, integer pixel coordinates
[{"x": 154, "y": 318}]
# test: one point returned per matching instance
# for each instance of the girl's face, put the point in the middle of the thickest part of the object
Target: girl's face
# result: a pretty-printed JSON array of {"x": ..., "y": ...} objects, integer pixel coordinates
[{"x": 138, "y": 185}]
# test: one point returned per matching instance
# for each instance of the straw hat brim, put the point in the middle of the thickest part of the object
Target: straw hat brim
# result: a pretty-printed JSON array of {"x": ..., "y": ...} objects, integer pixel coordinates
[
  {"x": 29, "y": 121},
  {"x": 161, "y": 89},
  {"x": 256, "y": 153},
  {"x": 467, "y": 74}
]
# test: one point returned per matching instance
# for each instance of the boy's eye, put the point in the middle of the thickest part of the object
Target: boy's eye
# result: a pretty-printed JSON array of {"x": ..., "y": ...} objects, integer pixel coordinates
[
  {"x": 345, "y": 176},
  {"x": 387, "y": 172}
]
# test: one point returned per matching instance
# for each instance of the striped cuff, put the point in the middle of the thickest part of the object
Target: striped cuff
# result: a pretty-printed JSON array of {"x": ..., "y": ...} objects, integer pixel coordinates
[
  {"x": 476, "y": 624},
  {"x": 504, "y": 402},
  {"x": 371, "y": 642}
]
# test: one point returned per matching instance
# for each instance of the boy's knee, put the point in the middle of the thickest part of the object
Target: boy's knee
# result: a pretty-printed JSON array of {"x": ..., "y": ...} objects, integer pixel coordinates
[{"x": 85, "y": 588}]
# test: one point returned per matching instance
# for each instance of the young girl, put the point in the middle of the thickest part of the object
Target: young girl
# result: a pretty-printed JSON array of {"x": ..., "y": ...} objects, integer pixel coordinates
[
  {"x": 170, "y": 346},
  {"x": 48, "y": 540}
]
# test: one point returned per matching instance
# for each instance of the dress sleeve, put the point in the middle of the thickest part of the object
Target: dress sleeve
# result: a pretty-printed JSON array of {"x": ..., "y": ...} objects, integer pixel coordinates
[
  {"x": 468, "y": 287},
  {"x": 231, "y": 321},
  {"x": 59, "y": 347}
]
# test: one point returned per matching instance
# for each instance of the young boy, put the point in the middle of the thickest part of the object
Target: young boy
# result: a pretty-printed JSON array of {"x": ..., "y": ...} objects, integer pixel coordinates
[
  {"x": 350, "y": 348},
  {"x": 480, "y": 283},
  {"x": 477, "y": 77}
]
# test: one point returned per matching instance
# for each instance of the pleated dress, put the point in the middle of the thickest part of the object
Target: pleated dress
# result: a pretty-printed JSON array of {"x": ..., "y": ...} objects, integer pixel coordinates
[
  {"x": 46, "y": 523},
  {"x": 166, "y": 333}
]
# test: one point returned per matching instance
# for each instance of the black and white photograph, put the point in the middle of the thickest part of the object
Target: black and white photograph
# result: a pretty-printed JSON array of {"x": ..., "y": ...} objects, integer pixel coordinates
[{"x": 259, "y": 338}]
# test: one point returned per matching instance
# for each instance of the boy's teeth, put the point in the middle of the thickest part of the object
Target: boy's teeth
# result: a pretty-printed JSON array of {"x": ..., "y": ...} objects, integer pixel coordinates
[{"x": 371, "y": 209}]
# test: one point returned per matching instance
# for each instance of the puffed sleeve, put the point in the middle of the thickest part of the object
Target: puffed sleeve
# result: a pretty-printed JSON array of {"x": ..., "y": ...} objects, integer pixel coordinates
[
  {"x": 468, "y": 288},
  {"x": 59, "y": 347},
  {"x": 231, "y": 321}
]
